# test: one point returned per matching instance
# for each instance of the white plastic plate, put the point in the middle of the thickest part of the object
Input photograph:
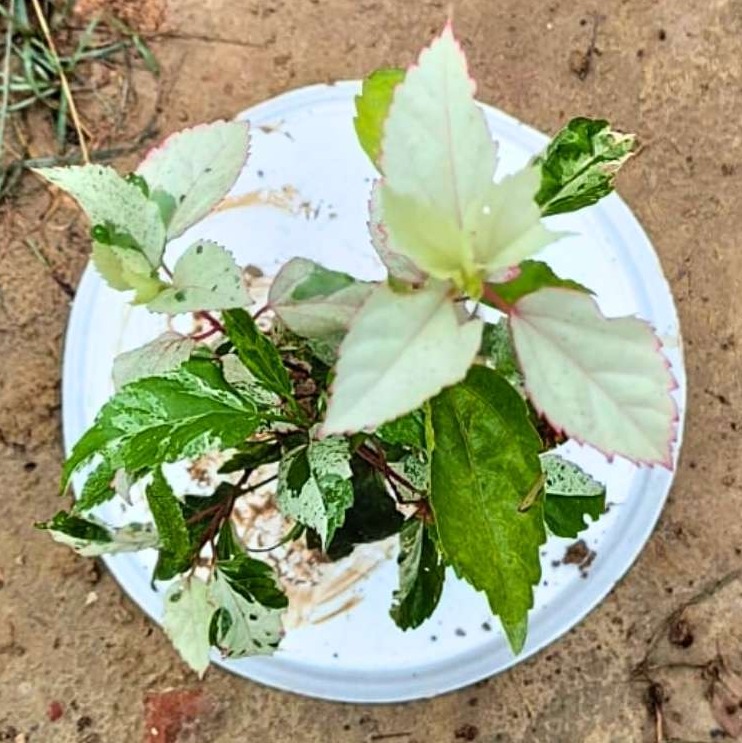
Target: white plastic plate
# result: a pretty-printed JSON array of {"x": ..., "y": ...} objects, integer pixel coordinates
[{"x": 305, "y": 190}]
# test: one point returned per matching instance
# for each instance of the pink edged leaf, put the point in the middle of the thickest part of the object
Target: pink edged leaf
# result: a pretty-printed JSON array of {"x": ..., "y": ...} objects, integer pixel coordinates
[
  {"x": 602, "y": 381},
  {"x": 194, "y": 169},
  {"x": 438, "y": 160},
  {"x": 402, "y": 349}
]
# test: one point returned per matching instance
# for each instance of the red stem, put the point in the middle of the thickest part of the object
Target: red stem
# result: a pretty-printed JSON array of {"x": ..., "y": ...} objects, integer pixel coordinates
[
  {"x": 494, "y": 299},
  {"x": 215, "y": 324}
]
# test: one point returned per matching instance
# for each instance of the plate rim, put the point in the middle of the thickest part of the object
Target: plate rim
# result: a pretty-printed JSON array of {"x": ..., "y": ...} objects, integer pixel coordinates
[{"x": 472, "y": 666}]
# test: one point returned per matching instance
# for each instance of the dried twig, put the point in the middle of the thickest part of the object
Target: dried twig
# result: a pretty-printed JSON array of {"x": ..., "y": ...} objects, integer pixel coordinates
[
  {"x": 6, "y": 74},
  {"x": 63, "y": 78}
]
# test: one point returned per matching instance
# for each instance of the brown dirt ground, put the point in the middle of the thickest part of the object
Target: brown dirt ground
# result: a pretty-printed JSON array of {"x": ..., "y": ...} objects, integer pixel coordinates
[{"x": 74, "y": 669}]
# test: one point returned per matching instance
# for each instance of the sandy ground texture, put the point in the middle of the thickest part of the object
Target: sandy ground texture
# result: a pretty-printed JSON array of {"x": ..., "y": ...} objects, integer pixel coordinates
[{"x": 79, "y": 663}]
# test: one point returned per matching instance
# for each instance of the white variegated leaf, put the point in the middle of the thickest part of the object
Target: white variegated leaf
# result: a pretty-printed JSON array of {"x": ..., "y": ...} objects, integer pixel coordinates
[
  {"x": 189, "y": 608},
  {"x": 130, "y": 538},
  {"x": 163, "y": 354},
  {"x": 402, "y": 349},
  {"x": 601, "y": 381},
  {"x": 251, "y": 629},
  {"x": 205, "y": 277},
  {"x": 314, "y": 485},
  {"x": 196, "y": 167}
]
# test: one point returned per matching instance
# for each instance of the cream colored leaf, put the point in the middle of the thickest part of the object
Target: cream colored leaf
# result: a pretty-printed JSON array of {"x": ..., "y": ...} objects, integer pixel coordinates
[
  {"x": 189, "y": 608},
  {"x": 402, "y": 349},
  {"x": 438, "y": 159},
  {"x": 206, "y": 277},
  {"x": 509, "y": 227},
  {"x": 196, "y": 167},
  {"x": 602, "y": 381}
]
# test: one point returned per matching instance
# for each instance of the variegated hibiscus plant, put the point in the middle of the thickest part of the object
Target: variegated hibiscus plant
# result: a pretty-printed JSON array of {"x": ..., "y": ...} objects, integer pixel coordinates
[{"x": 384, "y": 408}]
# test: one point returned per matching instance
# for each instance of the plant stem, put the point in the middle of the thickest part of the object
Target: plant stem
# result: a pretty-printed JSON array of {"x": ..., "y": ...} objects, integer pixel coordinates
[
  {"x": 215, "y": 324},
  {"x": 492, "y": 298}
]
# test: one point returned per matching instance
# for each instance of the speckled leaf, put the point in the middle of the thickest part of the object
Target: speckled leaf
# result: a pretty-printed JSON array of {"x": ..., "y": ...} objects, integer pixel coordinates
[
  {"x": 571, "y": 494},
  {"x": 242, "y": 627},
  {"x": 314, "y": 485},
  {"x": 372, "y": 107},
  {"x": 98, "y": 488},
  {"x": 164, "y": 354},
  {"x": 485, "y": 466},
  {"x": 421, "y": 576},
  {"x": 106, "y": 197},
  {"x": 182, "y": 414},
  {"x": 382, "y": 375},
  {"x": 601, "y": 381},
  {"x": 189, "y": 608},
  {"x": 169, "y": 520},
  {"x": 196, "y": 167},
  {"x": 580, "y": 164},
  {"x": 315, "y": 302},
  {"x": 256, "y": 352},
  {"x": 497, "y": 352},
  {"x": 205, "y": 277},
  {"x": 91, "y": 538}
]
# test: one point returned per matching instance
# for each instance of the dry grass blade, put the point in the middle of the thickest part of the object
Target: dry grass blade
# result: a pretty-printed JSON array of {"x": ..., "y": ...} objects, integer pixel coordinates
[
  {"x": 63, "y": 78},
  {"x": 6, "y": 75}
]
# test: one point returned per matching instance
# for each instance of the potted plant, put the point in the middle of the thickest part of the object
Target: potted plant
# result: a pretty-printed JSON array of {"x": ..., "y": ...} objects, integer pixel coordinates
[{"x": 426, "y": 406}]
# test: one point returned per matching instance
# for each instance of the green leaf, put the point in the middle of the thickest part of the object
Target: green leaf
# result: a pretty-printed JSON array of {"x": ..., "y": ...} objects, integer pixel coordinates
[
  {"x": 373, "y": 515},
  {"x": 408, "y": 430},
  {"x": 252, "y": 454},
  {"x": 90, "y": 538},
  {"x": 106, "y": 197},
  {"x": 98, "y": 488},
  {"x": 189, "y": 607},
  {"x": 314, "y": 485},
  {"x": 257, "y": 352},
  {"x": 571, "y": 494},
  {"x": 164, "y": 354},
  {"x": 196, "y": 167},
  {"x": 205, "y": 277},
  {"x": 580, "y": 164},
  {"x": 498, "y": 352},
  {"x": 382, "y": 375},
  {"x": 315, "y": 302},
  {"x": 176, "y": 416},
  {"x": 532, "y": 276},
  {"x": 126, "y": 270},
  {"x": 485, "y": 465},
  {"x": 601, "y": 381},
  {"x": 372, "y": 107},
  {"x": 168, "y": 516},
  {"x": 421, "y": 576}
]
